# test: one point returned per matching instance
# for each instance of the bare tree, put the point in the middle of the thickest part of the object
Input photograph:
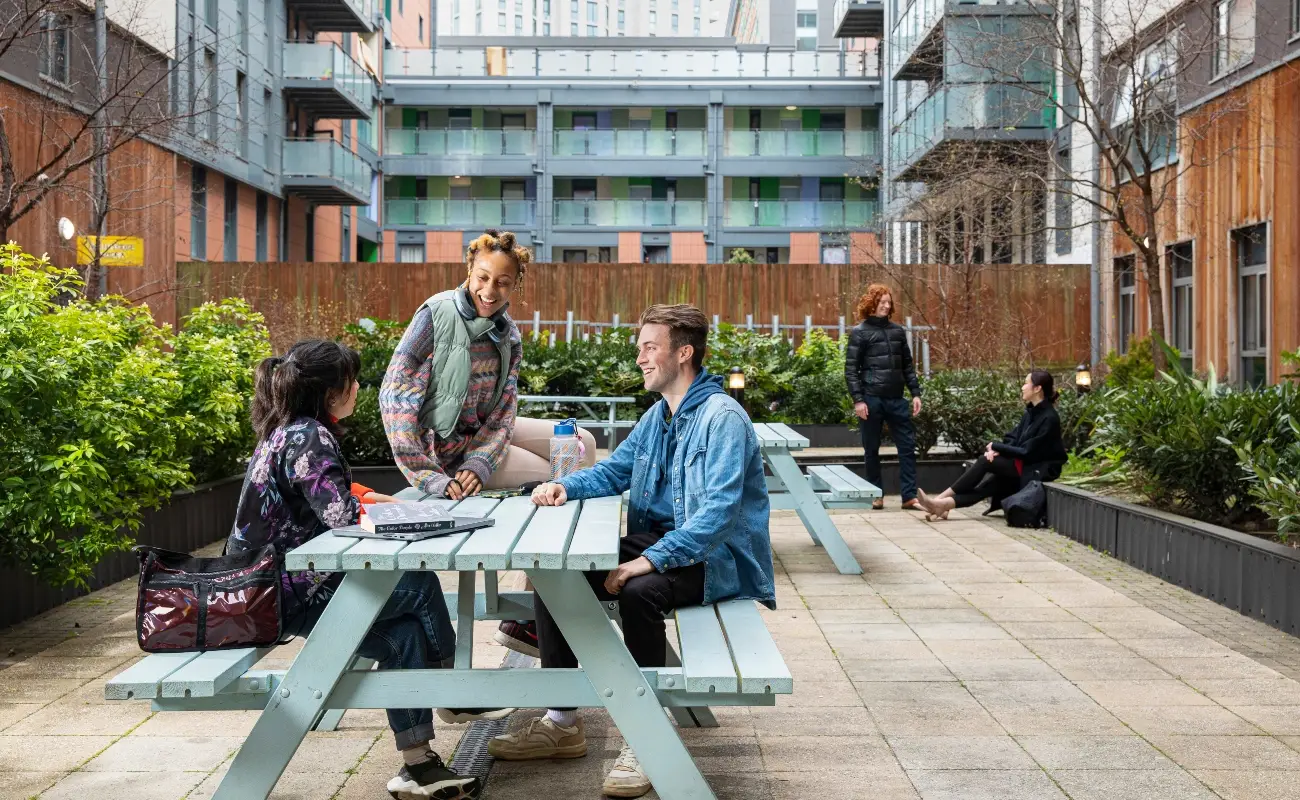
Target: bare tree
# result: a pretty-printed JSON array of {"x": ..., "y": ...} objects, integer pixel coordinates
[{"x": 1110, "y": 75}]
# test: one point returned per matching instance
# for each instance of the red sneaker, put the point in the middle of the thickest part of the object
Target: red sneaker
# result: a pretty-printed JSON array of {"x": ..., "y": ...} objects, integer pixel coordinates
[{"x": 518, "y": 636}]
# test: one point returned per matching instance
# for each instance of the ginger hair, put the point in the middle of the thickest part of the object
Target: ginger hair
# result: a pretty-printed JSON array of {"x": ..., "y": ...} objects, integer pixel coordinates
[
  {"x": 494, "y": 241},
  {"x": 871, "y": 298}
]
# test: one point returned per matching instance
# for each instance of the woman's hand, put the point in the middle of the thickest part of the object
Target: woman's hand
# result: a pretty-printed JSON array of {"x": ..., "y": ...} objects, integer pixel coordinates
[
  {"x": 990, "y": 453},
  {"x": 469, "y": 483},
  {"x": 454, "y": 490}
]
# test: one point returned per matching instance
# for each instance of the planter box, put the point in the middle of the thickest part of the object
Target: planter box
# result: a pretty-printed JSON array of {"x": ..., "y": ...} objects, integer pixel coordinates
[
  {"x": 194, "y": 518},
  {"x": 1253, "y": 576}
]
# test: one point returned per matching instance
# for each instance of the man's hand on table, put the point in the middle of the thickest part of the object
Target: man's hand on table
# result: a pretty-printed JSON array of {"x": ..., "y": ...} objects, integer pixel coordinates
[
  {"x": 550, "y": 494},
  {"x": 626, "y": 572}
]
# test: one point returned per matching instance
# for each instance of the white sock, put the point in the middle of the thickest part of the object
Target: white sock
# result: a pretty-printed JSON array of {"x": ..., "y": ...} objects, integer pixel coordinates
[
  {"x": 565, "y": 719},
  {"x": 416, "y": 755}
]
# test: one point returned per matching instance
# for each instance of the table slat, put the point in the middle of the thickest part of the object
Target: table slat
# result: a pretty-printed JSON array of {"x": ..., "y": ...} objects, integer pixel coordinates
[
  {"x": 410, "y": 495},
  {"x": 325, "y": 552},
  {"x": 792, "y": 438},
  {"x": 758, "y": 662},
  {"x": 384, "y": 553},
  {"x": 437, "y": 553},
  {"x": 595, "y": 539},
  {"x": 706, "y": 659},
  {"x": 142, "y": 679},
  {"x": 546, "y": 538},
  {"x": 210, "y": 673},
  {"x": 766, "y": 438},
  {"x": 489, "y": 548}
]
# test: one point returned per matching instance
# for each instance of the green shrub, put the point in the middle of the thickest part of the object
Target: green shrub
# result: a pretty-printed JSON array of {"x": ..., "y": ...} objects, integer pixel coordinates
[
  {"x": 364, "y": 440},
  {"x": 101, "y": 413},
  {"x": 968, "y": 409},
  {"x": 1138, "y": 364}
]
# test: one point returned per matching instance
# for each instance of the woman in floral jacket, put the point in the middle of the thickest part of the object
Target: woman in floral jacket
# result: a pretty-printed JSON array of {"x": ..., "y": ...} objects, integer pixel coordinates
[{"x": 299, "y": 486}]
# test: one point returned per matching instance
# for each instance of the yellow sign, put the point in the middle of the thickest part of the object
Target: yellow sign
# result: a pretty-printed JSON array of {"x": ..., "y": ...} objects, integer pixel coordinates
[{"x": 115, "y": 251}]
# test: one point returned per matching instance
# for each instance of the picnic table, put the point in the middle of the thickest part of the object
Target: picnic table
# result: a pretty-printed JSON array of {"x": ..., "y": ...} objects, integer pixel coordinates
[
  {"x": 824, "y": 487},
  {"x": 727, "y": 656}
]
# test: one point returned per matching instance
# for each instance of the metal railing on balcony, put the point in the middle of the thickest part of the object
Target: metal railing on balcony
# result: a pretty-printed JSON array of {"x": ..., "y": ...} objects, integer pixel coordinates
[
  {"x": 325, "y": 160},
  {"x": 327, "y": 64},
  {"x": 448, "y": 142},
  {"x": 614, "y": 62},
  {"x": 630, "y": 143},
  {"x": 996, "y": 108},
  {"x": 469, "y": 213},
  {"x": 822, "y": 214},
  {"x": 915, "y": 23},
  {"x": 858, "y": 18},
  {"x": 851, "y": 144},
  {"x": 649, "y": 213}
]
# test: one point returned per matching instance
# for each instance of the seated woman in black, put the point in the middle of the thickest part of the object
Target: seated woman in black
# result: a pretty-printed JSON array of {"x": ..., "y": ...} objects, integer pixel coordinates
[{"x": 1032, "y": 451}]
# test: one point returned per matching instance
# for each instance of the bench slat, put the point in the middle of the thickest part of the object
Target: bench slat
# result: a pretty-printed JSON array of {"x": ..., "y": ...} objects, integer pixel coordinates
[
  {"x": 858, "y": 483},
  {"x": 792, "y": 438},
  {"x": 758, "y": 662},
  {"x": 595, "y": 539},
  {"x": 210, "y": 673},
  {"x": 324, "y": 553},
  {"x": 841, "y": 486},
  {"x": 706, "y": 661},
  {"x": 142, "y": 679},
  {"x": 436, "y": 553},
  {"x": 489, "y": 548},
  {"x": 546, "y": 538},
  {"x": 766, "y": 438}
]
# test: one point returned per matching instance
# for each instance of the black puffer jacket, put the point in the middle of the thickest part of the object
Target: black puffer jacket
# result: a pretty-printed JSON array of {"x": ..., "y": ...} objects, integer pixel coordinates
[
  {"x": 1036, "y": 440},
  {"x": 878, "y": 361}
]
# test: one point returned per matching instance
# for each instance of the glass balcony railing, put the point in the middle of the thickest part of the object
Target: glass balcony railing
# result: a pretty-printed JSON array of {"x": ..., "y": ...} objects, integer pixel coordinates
[
  {"x": 447, "y": 142},
  {"x": 467, "y": 213},
  {"x": 850, "y": 144},
  {"x": 325, "y": 62},
  {"x": 833, "y": 214},
  {"x": 630, "y": 143},
  {"x": 993, "y": 107},
  {"x": 650, "y": 213},
  {"x": 327, "y": 159},
  {"x": 915, "y": 23},
  {"x": 614, "y": 61}
]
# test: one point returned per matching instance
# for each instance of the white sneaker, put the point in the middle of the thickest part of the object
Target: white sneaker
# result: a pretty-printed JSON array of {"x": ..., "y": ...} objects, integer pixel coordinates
[{"x": 626, "y": 779}]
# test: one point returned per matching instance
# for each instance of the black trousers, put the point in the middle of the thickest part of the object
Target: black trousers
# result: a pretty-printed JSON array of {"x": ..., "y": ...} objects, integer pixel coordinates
[
  {"x": 644, "y": 603},
  {"x": 984, "y": 478}
]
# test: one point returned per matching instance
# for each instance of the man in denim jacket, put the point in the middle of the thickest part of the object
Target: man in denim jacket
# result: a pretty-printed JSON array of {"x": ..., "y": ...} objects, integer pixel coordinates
[{"x": 697, "y": 527}]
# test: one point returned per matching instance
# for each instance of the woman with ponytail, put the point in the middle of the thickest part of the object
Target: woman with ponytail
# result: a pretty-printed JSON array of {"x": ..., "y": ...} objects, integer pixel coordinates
[
  {"x": 298, "y": 486},
  {"x": 1033, "y": 450},
  {"x": 451, "y": 393}
]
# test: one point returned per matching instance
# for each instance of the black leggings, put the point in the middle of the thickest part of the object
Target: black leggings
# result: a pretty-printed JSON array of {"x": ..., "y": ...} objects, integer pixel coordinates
[{"x": 983, "y": 478}]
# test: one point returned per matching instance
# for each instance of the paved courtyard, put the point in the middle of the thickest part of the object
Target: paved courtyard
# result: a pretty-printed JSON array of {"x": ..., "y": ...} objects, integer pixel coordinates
[{"x": 970, "y": 661}]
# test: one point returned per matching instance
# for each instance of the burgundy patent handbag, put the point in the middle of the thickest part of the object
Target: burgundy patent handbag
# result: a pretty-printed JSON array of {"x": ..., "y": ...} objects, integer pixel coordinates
[{"x": 188, "y": 603}]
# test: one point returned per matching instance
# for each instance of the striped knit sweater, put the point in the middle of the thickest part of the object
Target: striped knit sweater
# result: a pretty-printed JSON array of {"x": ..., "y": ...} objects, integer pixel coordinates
[{"x": 483, "y": 431}]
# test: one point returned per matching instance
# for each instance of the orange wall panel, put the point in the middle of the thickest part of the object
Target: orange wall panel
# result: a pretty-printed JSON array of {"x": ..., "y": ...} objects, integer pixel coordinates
[
  {"x": 688, "y": 247},
  {"x": 444, "y": 246},
  {"x": 629, "y": 247},
  {"x": 805, "y": 248}
]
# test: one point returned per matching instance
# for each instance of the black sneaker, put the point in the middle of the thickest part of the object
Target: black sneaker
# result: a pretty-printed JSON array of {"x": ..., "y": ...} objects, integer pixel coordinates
[
  {"x": 432, "y": 780},
  {"x": 459, "y": 716},
  {"x": 518, "y": 636}
]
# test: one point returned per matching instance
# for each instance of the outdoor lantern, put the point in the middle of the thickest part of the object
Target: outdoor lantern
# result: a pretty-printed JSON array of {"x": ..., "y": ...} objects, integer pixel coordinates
[
  {"x": 1082, "y": 378},
  {"x": 736, "y": 384}
]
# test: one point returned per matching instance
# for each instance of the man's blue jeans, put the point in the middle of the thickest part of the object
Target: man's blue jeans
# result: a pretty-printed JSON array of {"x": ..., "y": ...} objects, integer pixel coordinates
[
  {"x": 412, "y": 631},
  {"x": 897, "y": 412}
]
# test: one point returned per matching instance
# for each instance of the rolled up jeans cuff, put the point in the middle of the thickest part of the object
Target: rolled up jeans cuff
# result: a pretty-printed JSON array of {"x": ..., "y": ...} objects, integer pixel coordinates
[{"x": 412, "y": 736}]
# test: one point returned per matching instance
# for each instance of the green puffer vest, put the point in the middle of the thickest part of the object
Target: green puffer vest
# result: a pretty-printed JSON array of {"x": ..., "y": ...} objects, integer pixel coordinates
[{"x": 450, "y": 379}]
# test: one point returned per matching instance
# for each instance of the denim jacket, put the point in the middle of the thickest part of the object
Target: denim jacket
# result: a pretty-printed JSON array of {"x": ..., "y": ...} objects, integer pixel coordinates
[{"x": 719, "y": 492}]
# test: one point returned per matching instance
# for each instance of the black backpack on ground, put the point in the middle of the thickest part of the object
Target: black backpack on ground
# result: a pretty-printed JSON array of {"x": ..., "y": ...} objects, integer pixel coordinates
[{"x": 1027, "y": 508}]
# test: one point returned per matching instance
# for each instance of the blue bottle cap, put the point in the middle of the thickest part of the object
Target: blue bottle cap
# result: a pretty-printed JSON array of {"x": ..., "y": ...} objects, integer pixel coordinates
[{"x": 566, "y": 428}]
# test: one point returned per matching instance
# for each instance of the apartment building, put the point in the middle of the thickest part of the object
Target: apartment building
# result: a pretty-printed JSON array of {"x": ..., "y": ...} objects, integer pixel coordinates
[
  {"x": 631, "y": 149},
  {"x": 583, "y": 18}
]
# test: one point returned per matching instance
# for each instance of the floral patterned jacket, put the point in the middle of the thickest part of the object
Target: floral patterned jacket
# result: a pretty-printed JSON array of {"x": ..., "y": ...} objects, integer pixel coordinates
[{"x": 297, "y": 487}]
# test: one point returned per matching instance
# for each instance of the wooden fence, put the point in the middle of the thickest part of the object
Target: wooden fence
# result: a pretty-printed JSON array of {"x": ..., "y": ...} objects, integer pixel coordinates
[{"x": 980, "y": 313}]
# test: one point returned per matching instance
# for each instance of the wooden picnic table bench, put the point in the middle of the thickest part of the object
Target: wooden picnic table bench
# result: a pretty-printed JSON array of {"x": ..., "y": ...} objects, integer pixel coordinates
[
  {"x": 812, "y": 494},
  {"x": 727, "y": 655}
]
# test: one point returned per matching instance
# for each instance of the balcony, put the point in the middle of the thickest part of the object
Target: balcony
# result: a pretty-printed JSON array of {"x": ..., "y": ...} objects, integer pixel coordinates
[
  {"x": 958, "y": 121},
  {"x": 460, "y": 214},
  {"x": 850, "y": 144},
  {"x": 630, "y": 213},
  {"x": 859, "y": 19},
  {"x": 918, "y": 53},
  {"x": 825, "y": 215},
  {"x": 326, "y": 82},
  {"x": 325, "y": 172},
  {"x": 447, "y": 142},
  {"x": 630, "y": 143},
  {"x": 605, "y": 63},
  {"x": 341, "y": 16}
]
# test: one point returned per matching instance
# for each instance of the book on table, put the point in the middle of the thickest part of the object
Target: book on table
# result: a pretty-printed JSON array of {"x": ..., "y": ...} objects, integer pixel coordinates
[{"x": 410, "y": 521}]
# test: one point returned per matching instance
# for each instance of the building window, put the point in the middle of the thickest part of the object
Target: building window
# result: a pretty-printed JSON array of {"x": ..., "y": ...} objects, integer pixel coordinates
[
  {"x": 420, "y": 29},
  {"x": 210, "y": 13},
  {"x": 268, "y": 126},
  {"x": 1126, "y": 282},
  {"x": 573, "y": 29},
  {"x": 241, "y": 23},
  {"x": 1250, "y": 249},
  {"x": 1234, "y": 34},
  {"x": 210, "y": 81},
  {"x": 592, "y": 30},
  {"x": 546, "y": 29},
  {"x": 241, "y": 112},
  {"x": 697, "y": 6},
  {"x": 1182, "y": 317},
  {"x": 54, "y": 47},
  {"x": 1295, "y": 17},
  {"x": 345, "y": 241},
  {"x": 230, "y": 233},
  {"x": 573, "y": 9},
  {"x": 654, "y": 20},
  {"x": 410, "y": 253},
  {"x": 697, "y": 26},
  {"x": 674, "y": 23},
  {"x": 309, "y": 243},
  {"x": 519, "y": 25},
  {"x": 806, "y": 30},
  {"x": 621, "y": 18},
  {"x": 198, "y": 213},
  {"x": 593, "y": 13},
  {"x": 263, "y": 232},
  {"x": 1064, "y": 201},
  {"x": 478, "y": 22}
]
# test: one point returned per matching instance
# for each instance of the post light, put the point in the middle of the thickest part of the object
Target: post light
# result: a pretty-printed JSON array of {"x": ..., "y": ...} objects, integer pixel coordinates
[
  {"x": 736, "y": 384},
  {"x": 1082, "y": 378}
]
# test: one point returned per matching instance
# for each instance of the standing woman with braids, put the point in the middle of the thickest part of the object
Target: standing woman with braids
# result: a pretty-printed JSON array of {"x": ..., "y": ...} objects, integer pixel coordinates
[
  {"x": 451, "y": 393},
  {"x": 298, "y": 486}
]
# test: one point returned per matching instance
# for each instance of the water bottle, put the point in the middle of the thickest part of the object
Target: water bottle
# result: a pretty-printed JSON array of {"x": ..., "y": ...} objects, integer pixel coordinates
[{"x": 566, "y": 449}]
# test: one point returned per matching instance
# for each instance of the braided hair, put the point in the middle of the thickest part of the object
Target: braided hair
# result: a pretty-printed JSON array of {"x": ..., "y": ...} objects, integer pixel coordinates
[{"x": 495, "y": 241}]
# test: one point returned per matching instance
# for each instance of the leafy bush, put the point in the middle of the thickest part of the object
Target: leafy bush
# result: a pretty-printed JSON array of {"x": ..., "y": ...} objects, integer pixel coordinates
[
  {"x": 1273, "y": 469},
  {"x": 101, "y": 412},
  {"x": 364, "y": 440},
  {"x": 968, "y": 408},
  {"x": 1138, "y": 364}
]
